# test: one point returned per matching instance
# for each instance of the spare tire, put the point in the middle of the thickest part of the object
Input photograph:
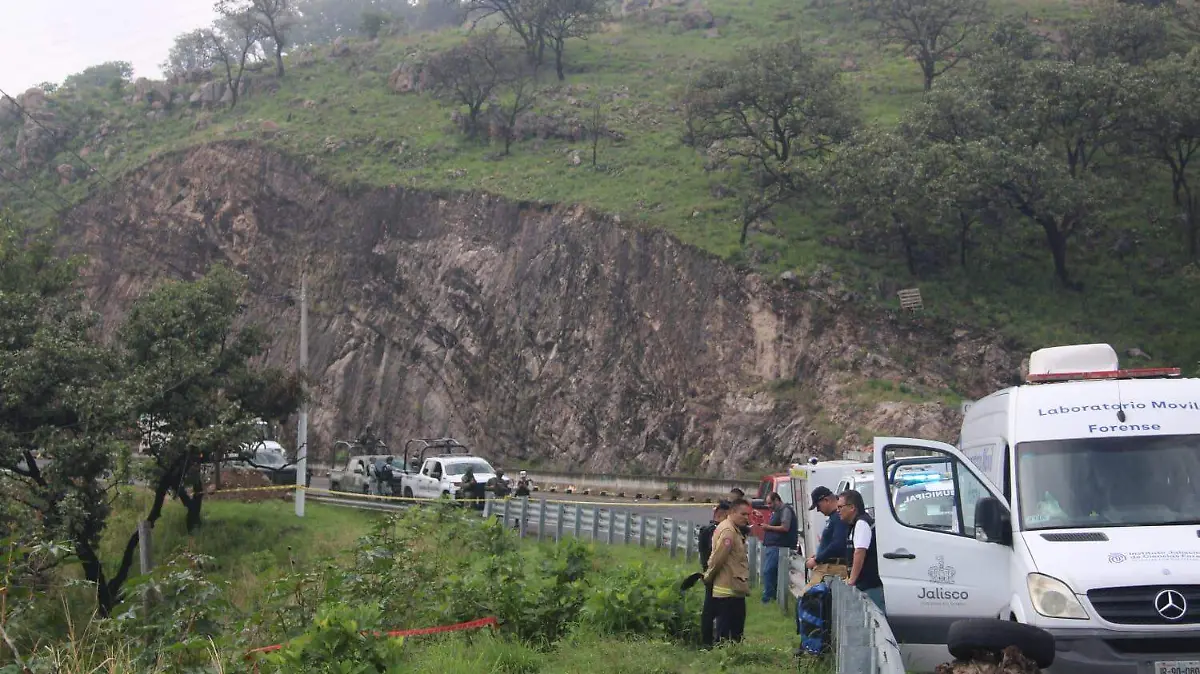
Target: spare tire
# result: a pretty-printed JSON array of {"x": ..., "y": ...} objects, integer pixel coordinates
[{"x": 968, "y": 638}]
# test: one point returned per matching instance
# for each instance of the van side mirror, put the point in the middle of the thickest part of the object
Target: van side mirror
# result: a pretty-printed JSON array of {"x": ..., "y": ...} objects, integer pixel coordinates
[
  {"x": 758, "y": 504},
  {"x": 993, "y": 524}
]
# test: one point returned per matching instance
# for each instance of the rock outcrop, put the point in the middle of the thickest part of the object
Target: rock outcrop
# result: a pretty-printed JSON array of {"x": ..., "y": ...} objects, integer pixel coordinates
[{"x": 528, "y": 330}]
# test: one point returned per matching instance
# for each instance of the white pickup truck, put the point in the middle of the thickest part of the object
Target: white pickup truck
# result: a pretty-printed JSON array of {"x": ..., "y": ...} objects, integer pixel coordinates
[{"x": 441, "y": 475}]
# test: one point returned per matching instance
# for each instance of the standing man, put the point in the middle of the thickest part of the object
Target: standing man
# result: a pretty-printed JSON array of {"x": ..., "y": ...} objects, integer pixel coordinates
[
  {"x": 830, "y": 558},
  {"x": 864, "y": 567},
  {"x": 707, "y": 615},
  {"x": 729, "y": 573},
  {"x": 782, "y": 532}
]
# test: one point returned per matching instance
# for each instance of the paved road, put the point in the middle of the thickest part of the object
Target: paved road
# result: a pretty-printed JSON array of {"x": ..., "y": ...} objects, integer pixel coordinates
[{"x": 698, "y": 513}]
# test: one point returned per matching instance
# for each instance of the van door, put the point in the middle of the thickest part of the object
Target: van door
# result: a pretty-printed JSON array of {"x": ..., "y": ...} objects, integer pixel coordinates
[{"x": 934, "y": 567}]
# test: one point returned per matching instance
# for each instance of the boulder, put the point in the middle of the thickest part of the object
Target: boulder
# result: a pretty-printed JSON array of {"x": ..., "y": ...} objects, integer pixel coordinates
[
  {"x": 409, "y": 76},
  {"x": 697, "y": 18},
  {"x": 340, "y": 47},
  {"x": 209, "y": 94},
  {"x": 66, "y": 173},
  {"x": 269, "y": 129}
]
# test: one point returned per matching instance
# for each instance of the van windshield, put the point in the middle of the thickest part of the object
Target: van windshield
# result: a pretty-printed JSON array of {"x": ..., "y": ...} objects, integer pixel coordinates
[{"x": 1109, "y": 482}]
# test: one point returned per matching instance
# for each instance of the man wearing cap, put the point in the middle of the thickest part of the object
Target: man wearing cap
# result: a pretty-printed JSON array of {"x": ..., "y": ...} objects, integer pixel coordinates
[{"x": 830, "y": 558}]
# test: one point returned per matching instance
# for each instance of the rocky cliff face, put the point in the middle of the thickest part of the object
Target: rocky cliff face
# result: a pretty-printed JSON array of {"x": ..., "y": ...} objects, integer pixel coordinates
[{"x": 533, "y": 333}]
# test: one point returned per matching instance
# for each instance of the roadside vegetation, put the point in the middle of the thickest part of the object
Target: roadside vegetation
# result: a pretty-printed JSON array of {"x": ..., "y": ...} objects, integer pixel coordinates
[{"x": 255, "y": 575}]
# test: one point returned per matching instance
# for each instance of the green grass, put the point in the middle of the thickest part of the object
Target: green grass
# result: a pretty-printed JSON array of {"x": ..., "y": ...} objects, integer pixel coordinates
[
  {"x": 251, "y": 543},
  {"x": 637, "y": 70}
]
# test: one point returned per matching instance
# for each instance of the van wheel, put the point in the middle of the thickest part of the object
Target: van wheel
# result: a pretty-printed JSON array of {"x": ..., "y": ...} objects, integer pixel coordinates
[
  {"x": 969, "y": 638},
  {"x": 408, "y": 492},
  {"x": 333, "y": 486}
]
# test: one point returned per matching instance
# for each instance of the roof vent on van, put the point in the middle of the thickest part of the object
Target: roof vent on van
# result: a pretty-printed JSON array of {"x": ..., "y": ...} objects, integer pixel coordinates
[
  {"x": 1073, "y": 358},
  {"x": 1080, "y": 362}
]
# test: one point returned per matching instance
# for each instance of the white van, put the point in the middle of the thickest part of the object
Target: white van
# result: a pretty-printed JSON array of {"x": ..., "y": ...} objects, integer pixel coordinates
[
  {"x": 833, "y": 475},
  {"x": 1076, "y": 509}
]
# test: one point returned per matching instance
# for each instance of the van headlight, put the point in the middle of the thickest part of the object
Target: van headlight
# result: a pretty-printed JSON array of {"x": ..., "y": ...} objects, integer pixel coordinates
[{"x": 1052, "y": 598}]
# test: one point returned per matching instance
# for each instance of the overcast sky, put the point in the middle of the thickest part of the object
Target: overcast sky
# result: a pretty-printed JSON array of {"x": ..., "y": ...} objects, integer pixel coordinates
[{"x": 46, "y": 40}]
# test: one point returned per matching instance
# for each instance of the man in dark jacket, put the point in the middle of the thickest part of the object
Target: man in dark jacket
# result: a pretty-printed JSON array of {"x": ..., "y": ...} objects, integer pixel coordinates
[
  {"x": 830, "y": 558},
  {"x": 707, "y": 615}
]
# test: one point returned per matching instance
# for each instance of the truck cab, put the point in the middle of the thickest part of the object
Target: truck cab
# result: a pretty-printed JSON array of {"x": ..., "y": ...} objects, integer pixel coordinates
[
  {"x": 1074, "y": 506},
  {"x": 441, "y": 475}
]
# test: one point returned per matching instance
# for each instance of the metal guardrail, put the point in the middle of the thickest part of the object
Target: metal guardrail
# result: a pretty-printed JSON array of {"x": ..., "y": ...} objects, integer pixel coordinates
[
  {"x": 553, "y": 521},
  {"x": 863, "y": 638}
]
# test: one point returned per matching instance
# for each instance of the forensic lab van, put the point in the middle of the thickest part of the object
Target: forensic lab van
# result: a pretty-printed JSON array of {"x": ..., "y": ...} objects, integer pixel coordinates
[{"x": 1076, "y": 509}]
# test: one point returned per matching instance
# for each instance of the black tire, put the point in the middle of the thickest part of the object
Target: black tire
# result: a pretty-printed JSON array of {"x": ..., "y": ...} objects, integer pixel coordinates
[
  {"x": 408, "y": 492},
  {"x": 967, "y": 638}
]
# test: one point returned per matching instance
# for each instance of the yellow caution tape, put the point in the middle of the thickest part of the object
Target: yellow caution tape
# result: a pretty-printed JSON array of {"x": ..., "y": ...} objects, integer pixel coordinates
[{"x": 416, "y": 499}]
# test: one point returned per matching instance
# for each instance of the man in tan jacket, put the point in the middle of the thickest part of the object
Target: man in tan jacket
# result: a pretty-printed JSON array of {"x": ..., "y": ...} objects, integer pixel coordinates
[{"x": 729, "y": 573}]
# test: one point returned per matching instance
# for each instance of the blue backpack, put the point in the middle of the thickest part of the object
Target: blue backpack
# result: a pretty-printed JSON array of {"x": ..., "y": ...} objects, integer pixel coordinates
[{"x": 813, "y": 614}]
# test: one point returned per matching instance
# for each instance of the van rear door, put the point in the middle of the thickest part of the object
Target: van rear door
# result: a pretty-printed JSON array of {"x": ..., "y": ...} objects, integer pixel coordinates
[{"x": 934, "y": 567}]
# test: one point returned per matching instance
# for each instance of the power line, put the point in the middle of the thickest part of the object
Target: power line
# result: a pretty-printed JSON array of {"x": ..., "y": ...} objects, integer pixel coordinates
[
  {"x": 31, "y": 193},
  {"x": 28, "y": 178},
  {"x": 52, "y": 132}
]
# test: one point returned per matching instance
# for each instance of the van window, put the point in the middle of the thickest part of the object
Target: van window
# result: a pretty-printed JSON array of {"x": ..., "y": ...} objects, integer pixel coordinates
[
  {"x": 1109, "y": 482},
  {"x": 933, "y": 491}
]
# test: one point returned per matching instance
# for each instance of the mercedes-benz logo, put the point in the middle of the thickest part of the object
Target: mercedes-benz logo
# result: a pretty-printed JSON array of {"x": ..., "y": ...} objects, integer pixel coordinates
[{"x": 1170, "y": 604}]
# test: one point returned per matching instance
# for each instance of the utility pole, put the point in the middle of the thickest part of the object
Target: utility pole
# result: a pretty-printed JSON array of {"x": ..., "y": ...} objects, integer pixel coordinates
[{"x": 302, "y": 428}]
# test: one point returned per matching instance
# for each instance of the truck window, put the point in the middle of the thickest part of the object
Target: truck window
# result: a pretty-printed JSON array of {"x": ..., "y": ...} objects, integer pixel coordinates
[{"x": 765, "y": 487}]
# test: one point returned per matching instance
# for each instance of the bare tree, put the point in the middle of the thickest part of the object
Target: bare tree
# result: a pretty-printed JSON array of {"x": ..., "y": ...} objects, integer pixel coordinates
[
  {"x": 596, "y": 127},
  {"x": 519, "y": 94},
  {"x": 934, "y": 32},
  {"x": 525, "y": 18},
  {"x": 565, "y": 19},
  {"x": 469, "y": 74},
  {"x": 232, "y": 46},
  {"x": 273, "y": 17}
]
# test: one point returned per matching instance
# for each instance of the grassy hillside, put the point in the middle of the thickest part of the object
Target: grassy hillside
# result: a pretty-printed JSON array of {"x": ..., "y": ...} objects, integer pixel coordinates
[{"x": 341, "y": 113}]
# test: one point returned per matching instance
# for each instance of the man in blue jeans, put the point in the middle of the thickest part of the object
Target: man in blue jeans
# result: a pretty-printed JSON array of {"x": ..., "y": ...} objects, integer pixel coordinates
[{"x": 781, "y": 533}]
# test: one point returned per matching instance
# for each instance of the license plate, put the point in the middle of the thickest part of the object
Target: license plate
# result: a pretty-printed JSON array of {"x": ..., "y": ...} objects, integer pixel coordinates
[{"x": 1177, "y": 667}]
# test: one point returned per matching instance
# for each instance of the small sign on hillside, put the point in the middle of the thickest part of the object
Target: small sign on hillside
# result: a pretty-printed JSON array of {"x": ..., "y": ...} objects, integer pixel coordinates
[{"x": 910, "y": 299}]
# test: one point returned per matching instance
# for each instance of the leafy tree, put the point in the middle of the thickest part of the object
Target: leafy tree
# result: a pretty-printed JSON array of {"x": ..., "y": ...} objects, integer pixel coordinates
[
  {"x": 467, "y": 75},
  {"x": 58, "y": 397},
  {"x": 924, "y": 196},
  {"x": 199, "y": 392},
  {"x": 1126, "y": 32},
  {"x": 233, "y": 42},
  {"x": 100, "y": 76},
  {"x": 773, "y": 112},
  {"x": 1044, "y": 130},
  {"x": 1169, "y": 124},
  {"x": 935, "y": 33},
  {"x": 192, "y": 52},
  {"x": 565, "y": 19},
  {"x": 274, "y": 19}
]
